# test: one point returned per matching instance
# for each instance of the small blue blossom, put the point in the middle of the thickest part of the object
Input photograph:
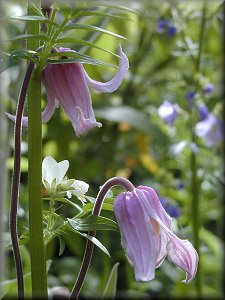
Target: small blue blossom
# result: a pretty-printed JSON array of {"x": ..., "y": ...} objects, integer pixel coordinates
[
  {"x": 168, "y": 112},
  {"x": 203, "y": 111},
  {"x": 211, "y": 130},
  {"x": 171, "y": 31},
  {"x": 161, "y": 25},
  {"x": 172, "y": 210},
  {"x": 180, "y": 185},
  {"x": 209, "y": 87},
  {"x": 190, "y": 95}
]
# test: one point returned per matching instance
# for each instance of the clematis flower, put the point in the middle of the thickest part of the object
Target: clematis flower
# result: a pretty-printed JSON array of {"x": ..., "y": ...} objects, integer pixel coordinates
[
  {"x": 210, "y": 129},
  {"x": 168, "y": 112},
  {"x": 147, "y": 237},
  {"x": 67, "y": 84},
  {"x": 56, "y": 183}
]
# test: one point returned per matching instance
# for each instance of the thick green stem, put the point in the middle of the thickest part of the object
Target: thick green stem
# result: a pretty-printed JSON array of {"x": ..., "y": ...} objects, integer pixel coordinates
[{"x": 37, "y": 249}]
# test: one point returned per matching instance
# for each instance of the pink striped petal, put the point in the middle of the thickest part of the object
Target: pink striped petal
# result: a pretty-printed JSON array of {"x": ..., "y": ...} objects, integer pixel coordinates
[{"x": 113, "y": 84}]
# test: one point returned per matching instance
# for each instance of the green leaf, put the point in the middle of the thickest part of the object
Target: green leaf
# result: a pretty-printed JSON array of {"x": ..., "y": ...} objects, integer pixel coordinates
[
  {"x": 35, "y": 19},
  {"x": 100, "y": 14},
  {"x": 93, "y": 223},
  {"x": 61, "y": 245},
  {"x": 87, "y": 208},
  {"x": 110, "y": 289},
  {"x": 67, "y": 201},
  {"x": 119, "y": 7},
  {"x": 93, "y": 28},
  {"x": 26, "y": 54},
  {"x": 84, "y": 43},
  {"x": 132, "y": 117},
  {"x": 87, "y": 236},
  {"x": 40, "y": 37},
  {"x": 76, "y": 57}
]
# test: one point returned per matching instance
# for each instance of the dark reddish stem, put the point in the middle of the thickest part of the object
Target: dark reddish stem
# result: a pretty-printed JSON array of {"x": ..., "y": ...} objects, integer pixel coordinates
[
  {"x": 16, "y": 181},
  {"x": 128, "y": 186}
]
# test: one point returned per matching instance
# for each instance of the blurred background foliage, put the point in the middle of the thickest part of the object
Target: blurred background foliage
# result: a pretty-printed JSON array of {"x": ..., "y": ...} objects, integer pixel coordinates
[{"x": 134, "y": 142}]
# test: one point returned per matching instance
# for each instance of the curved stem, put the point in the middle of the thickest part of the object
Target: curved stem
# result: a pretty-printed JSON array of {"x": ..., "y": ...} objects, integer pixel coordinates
[
  {"x": 120, "y": 181},
  {"x": 16, "y": 181}
]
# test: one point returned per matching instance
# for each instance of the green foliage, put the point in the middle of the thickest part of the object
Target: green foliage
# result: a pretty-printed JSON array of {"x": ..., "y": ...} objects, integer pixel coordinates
[{"x": 110, "y": 289}]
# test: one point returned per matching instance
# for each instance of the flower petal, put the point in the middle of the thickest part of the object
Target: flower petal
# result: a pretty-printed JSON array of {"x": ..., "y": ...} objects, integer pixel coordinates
[
  {"x": 49, "y": 169},
  {"x": 137, "y": 235},
  {"x": 70, "y": 88},
  {"x": 62, "y": 168},
  {"x": 46, "y": 114},
  {"x": 181, "y": 252},
  {"x": 113, "y": 84}
]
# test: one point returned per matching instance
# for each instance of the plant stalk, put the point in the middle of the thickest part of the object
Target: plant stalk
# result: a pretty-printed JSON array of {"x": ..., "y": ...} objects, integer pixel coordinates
[
  {"x": 37, "y": 249},
  {"x": 193, "y": 165}
]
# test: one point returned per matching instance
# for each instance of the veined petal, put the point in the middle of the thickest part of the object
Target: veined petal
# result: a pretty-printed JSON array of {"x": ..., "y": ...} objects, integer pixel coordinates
[
  {"x": 154, "y": 204},
  {"x": 113, "y": 84},
  {"x": 80, "y": 124},
  {"x": 137, "y": 235},
  {"x": 70, "y": 88},
  {"x": 183, "y": 254}
]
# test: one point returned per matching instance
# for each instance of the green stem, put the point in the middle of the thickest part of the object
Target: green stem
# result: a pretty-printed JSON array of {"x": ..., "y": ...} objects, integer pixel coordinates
[
  {"x": 193, "y": 164},
  {"x": 37, "y": 249}
]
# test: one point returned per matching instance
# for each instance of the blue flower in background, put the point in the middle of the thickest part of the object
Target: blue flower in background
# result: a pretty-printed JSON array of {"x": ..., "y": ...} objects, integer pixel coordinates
[
  {"x": 210, "y": 130},
  {"x": 190, "y": 95},
  {"x": 171, "y": 31},
  {"x": 209, "y": 87},
  {"x": 168, "y": 112},
  {"x": 162, "y": 25},
  {"x": 172, "y": 210},
  {"x": 203, "y": 111},
  {"x": 180, "y": 185}
]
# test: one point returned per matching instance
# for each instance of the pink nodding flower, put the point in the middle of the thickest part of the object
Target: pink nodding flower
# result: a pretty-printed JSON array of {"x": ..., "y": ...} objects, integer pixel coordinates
[
  {"x": 147, "y": 237},
  {"x": 67, "y": 84}
]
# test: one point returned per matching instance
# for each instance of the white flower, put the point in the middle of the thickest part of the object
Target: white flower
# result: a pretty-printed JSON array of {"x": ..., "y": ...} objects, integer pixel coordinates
[
  {"x": 56, "y": 183},
  {"x": 78, "y": 188},
  {"x": 53, "y": 173}
]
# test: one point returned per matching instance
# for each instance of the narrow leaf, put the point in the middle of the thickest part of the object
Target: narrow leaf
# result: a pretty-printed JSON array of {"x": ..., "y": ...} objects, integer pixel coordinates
[
  {"x": 110, "y": 289},
  {"x": 93, "y": 223},
  {"x": 40, "y": 37},
  {"x": 119, "y": 7},
  {"x": 100, "y": 14},
  {"x": 76, "y": 57},
  {"x": 67, "y": 201},
  {"x": 35, "y": 19},
  {"x": 61, "y": 245},
  {"x": 83, "y": 42},
  {"x": 93, "y": 28},
  {"x": 91, "y": 238},
  {"x": 89, "y": 207}
]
